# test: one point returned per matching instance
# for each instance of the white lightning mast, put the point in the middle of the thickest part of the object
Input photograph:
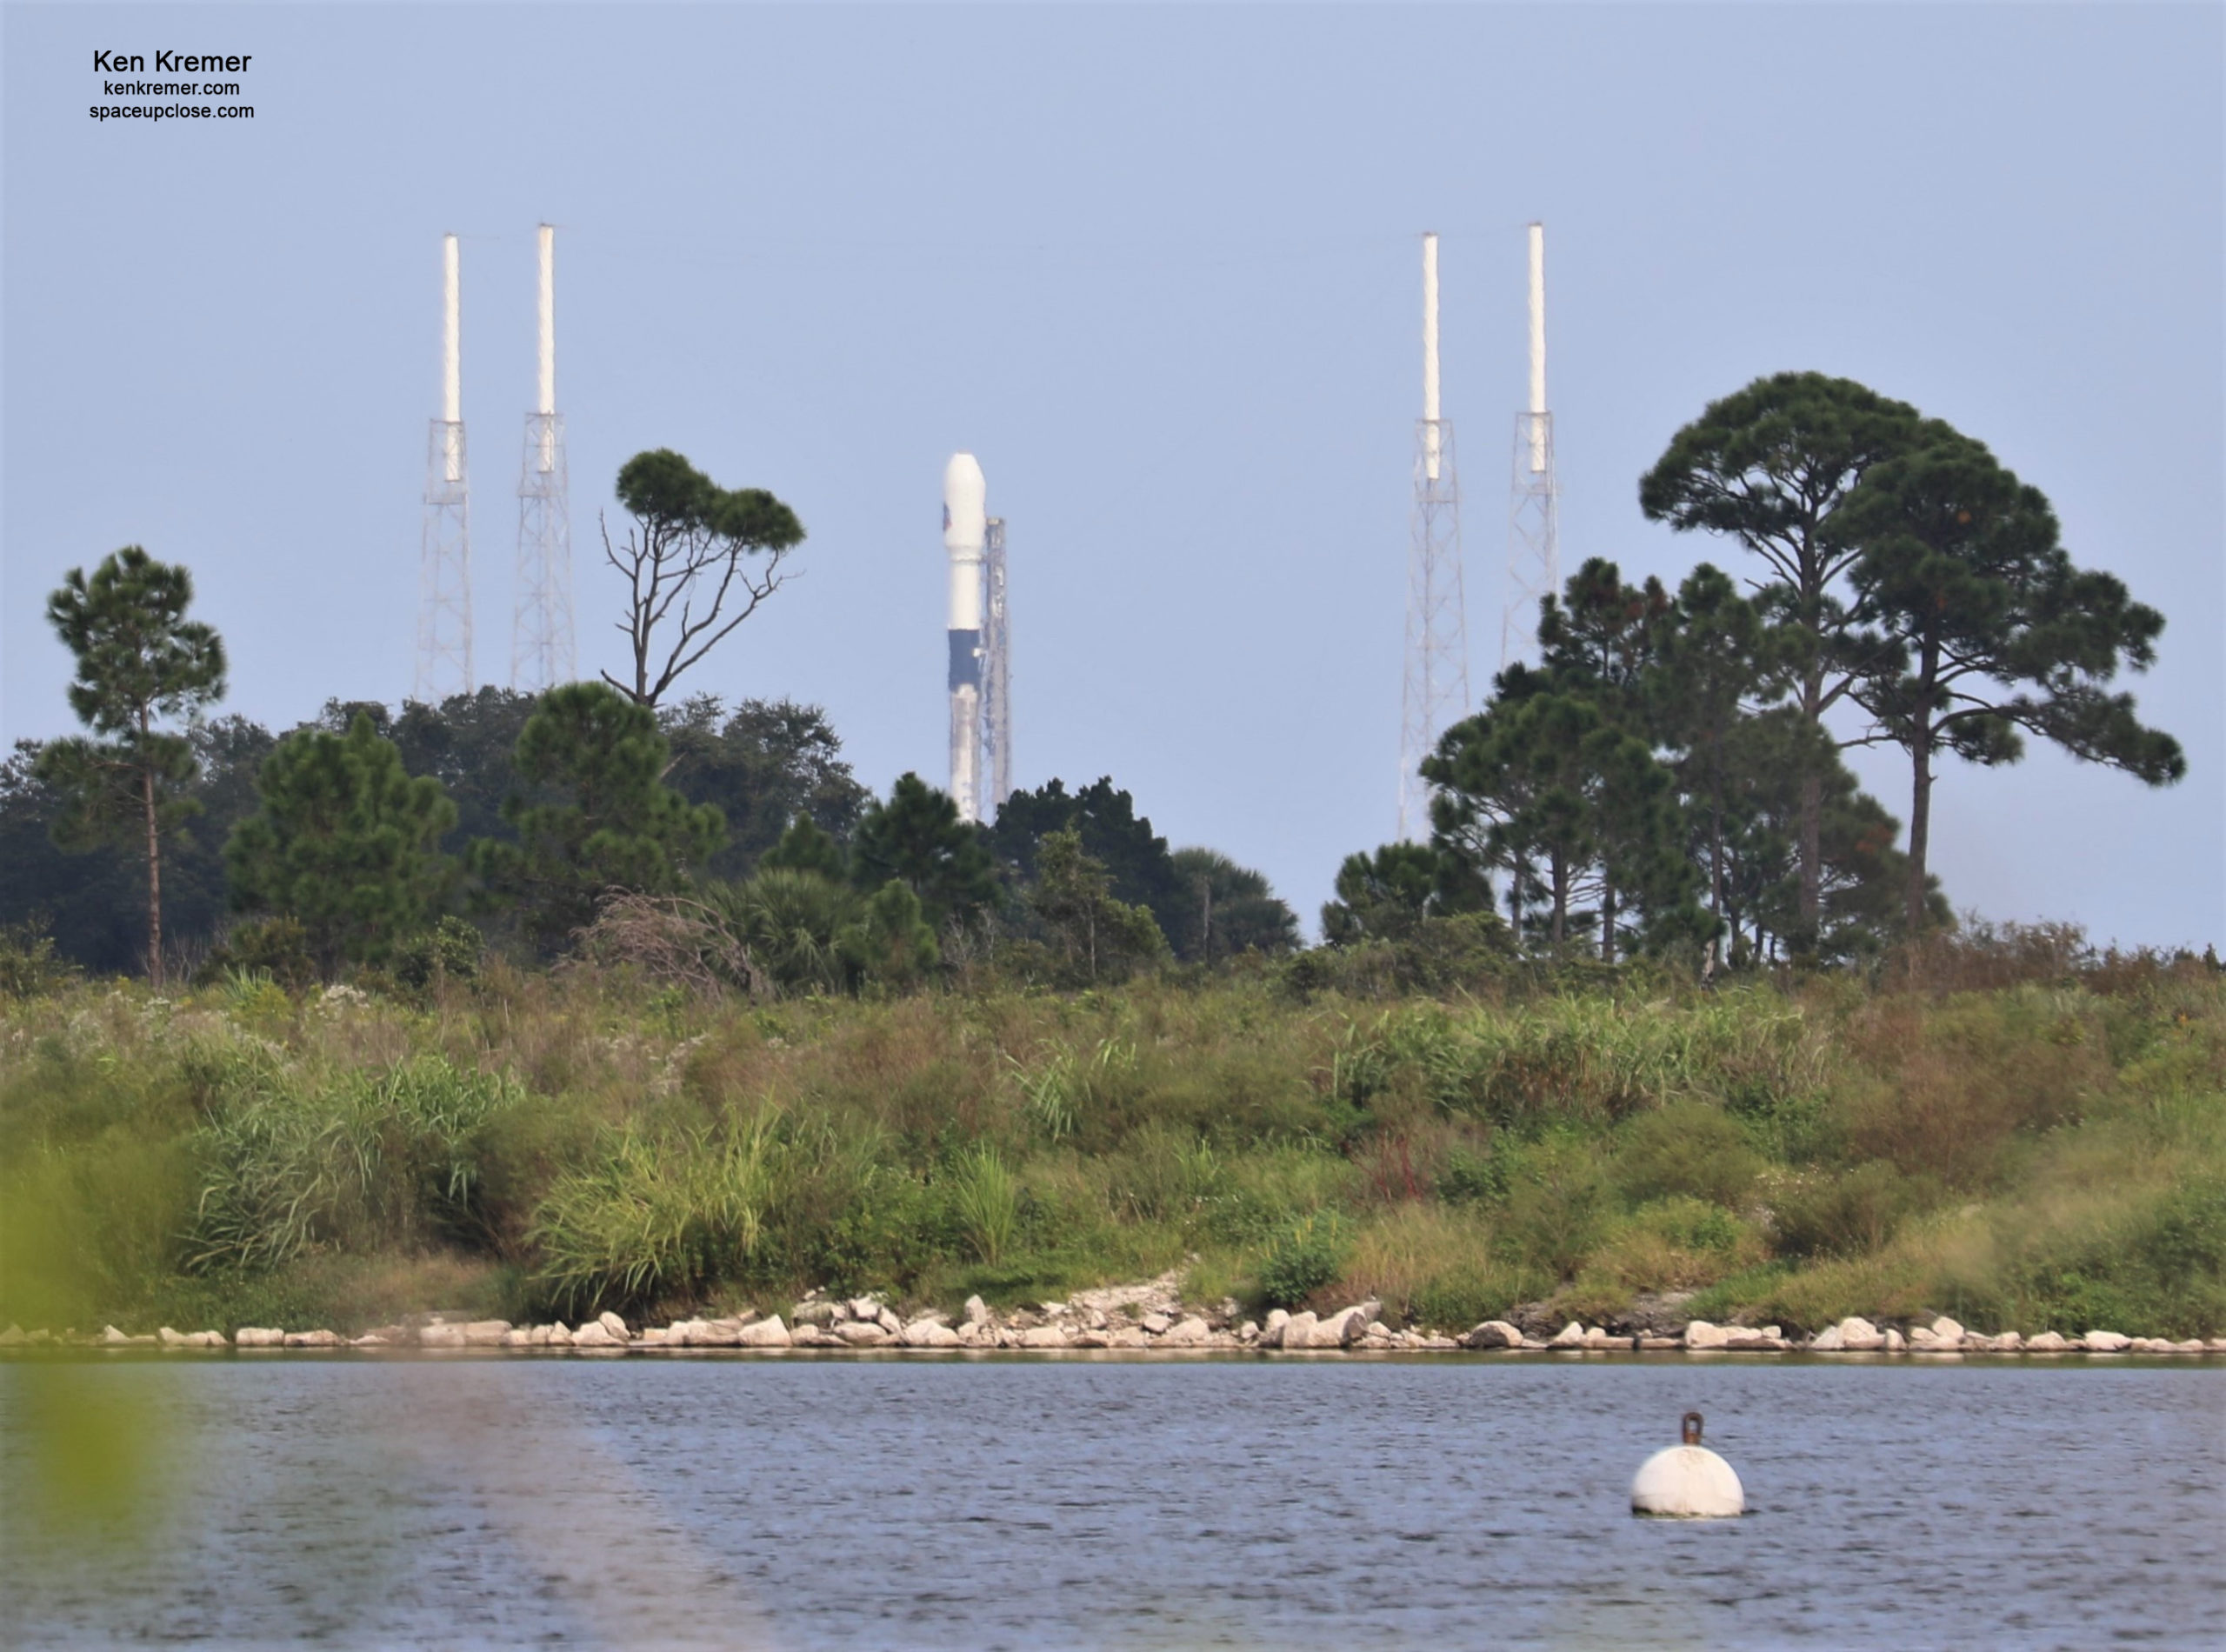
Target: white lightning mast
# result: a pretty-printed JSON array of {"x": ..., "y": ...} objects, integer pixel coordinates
[
  {"x": 1437, "y": 687},
  {"x": 540, "y": 627},
  {"x": 444, "y": 550},
  {"x": 1533, "y": 533}
]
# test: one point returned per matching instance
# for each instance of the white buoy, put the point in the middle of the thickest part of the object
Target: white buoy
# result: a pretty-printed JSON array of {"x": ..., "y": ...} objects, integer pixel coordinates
[{"x": 1688, "y": 1482}]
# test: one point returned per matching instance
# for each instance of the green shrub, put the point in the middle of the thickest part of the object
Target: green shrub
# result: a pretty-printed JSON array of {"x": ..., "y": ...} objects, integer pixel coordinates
[
  {"x": 1161, "y": 1174},
  {"x": 1472, "y": 1177},
  {"x": 1557, "y": 1203},
  {"x": 276, "y": 947},
  {"x": 29, "y": 965},
  {"x": 987, "y": 1199},
  {"x": 1454, "y": 1301},
  {"x": 1686, "y": 1149},
  {"x": 1306, "y": 1257},
  {"x": 373, "y": 1158},
  {"x": 892, "y": 1232},
  {"x": 450, "y": 950},
  {"x": 2159, "y": 1263},
  {"x": 792, "y": 920},
  {"x": 659, "y": 1216},
  {"x": 1049, "y": 1092},
  {"x": 1849, "y": 1214},
  {"x": 2184, "y": 1242},
  {"x": 1264, "y": 1192}
]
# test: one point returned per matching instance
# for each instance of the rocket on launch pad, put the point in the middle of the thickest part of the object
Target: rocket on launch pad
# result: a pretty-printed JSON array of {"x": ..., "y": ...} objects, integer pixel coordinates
[{"x": 966, "y": 531}]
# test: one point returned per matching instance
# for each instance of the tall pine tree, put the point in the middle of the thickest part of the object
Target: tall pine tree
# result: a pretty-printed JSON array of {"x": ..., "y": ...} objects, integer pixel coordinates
[{"x": 140, "y": 662}]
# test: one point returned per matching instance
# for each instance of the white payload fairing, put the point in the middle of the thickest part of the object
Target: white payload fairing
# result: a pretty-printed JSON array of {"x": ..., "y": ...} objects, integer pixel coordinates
[{"x": 966, "y": 531}]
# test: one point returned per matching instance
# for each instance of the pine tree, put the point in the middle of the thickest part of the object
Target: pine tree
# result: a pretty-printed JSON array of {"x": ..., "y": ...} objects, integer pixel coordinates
[
  {"x": 345, "y": 842},
  {"x": 140, "y": 661},
  {"x": 1717, "y": 663},
  {"x": 1571, "y": 805},
  {"x": 917, "y": 838},
  {"x": 1769, "y": 466},
  {"x": 889, "y": 942},
  {"x": 1977, "y": 629},
  {"x": 1233, "y": 909},
  {"x": 1388, "y": 894},
  {"x": 614, "y": 823},
  {"x": 1101, "y": 936}
]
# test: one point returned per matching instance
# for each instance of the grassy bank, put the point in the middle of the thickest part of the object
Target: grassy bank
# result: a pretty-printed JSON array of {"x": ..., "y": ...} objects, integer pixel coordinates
[{"x": 2027, "y": 1146}]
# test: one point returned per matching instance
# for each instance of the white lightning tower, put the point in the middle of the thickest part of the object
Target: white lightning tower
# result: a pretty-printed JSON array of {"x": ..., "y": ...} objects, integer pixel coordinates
[
  {"x": 997, "y": 672},
  {"x": 540, "y": 627},
  {"x": 1437, "y": 688},
  {"x": 966, "y": 531},
  {"x": 444, "y": 552},
  {"x": 1533, "y": 532}
]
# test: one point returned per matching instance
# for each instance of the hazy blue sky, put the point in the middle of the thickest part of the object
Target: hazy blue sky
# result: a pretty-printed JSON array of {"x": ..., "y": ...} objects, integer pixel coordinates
[{"x": 1158, "y": 267}]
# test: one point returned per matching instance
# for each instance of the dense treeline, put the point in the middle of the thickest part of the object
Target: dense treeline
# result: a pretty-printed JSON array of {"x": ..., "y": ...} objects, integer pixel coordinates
[
  {"x": 1665, "y": 779},
  {"x": 761, "y": 764},
  {"x": 521, "y": 814},
  {"x": 611, "y": 995}
]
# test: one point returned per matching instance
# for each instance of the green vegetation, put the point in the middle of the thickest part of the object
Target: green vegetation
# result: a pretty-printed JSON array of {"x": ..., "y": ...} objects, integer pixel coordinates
[
  {"x": 2003, "y": 1127},
  {"x": 612, "y": 823},
  {"x": 1906, "y": 572},
  {"x": 139, "y": 660},
  {"x": 697, "y": 559},
  {"x": 1660, "y": 1007},
  {"x": 345, "y": 844}
]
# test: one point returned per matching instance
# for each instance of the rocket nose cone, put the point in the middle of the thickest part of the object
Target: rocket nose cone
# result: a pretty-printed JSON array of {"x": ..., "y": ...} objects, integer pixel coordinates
[{"x": 965, "y": 504}]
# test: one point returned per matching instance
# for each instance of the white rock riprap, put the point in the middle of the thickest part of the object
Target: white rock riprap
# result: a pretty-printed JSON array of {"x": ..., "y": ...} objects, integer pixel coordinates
[
  {"x": 1493, "y": 1333},
  {"x": 1145, "y": 1317}
]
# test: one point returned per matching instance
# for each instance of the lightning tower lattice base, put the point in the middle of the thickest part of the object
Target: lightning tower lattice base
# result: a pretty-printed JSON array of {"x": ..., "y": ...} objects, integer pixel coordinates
[
  {"x": 444, "y": 571},
  {"x": 1436, "y": 694},
  {"x": 1533, "y": 536},
  {"x": 541, "y": 629}
]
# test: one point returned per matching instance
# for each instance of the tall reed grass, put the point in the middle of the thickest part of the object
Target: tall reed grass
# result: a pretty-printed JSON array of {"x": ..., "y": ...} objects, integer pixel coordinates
[{"x": 2046, "y": 1143}]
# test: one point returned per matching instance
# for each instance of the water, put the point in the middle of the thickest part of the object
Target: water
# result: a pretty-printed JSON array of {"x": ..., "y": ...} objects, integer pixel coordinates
[{"x": 823, "y": 1504}]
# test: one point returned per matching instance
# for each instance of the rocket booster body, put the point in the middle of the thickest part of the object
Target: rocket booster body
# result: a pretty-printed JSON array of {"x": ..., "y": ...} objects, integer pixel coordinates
[{"x": 965, "y": 530}]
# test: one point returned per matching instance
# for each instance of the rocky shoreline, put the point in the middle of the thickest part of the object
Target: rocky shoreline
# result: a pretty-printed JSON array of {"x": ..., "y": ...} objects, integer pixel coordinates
[{"x": 1142, "y": 1318}]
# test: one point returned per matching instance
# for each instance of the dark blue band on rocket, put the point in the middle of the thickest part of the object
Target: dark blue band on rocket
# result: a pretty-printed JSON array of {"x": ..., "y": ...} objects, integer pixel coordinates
[{"x": 965, "y": 659}]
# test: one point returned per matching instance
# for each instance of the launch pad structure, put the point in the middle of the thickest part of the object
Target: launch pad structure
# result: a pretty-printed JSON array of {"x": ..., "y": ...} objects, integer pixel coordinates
[
  {"x": 996, "y": 671},
  {"x": 444, "y": 550},
  {"x": 981, "y": 666},
  {"x": 1436, "y": 692}
]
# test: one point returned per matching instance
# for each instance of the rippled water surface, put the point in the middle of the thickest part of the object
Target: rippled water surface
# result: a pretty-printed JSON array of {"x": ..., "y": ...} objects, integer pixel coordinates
[{"x": 804, "y": 1504}]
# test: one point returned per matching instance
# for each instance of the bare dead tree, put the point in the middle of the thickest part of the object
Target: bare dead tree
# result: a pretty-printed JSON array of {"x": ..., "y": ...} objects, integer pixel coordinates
[{"x": 697, "y": 559}]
